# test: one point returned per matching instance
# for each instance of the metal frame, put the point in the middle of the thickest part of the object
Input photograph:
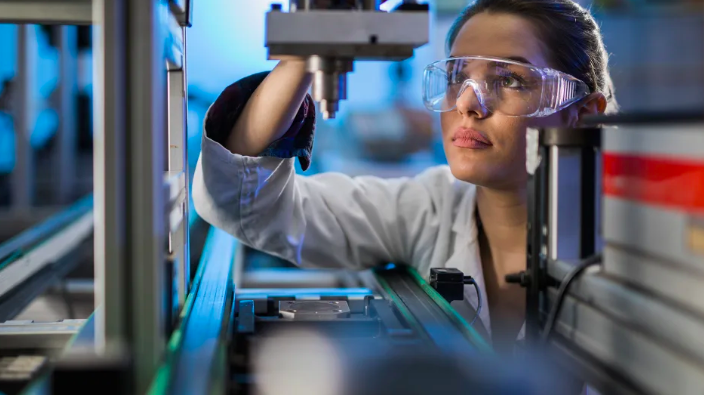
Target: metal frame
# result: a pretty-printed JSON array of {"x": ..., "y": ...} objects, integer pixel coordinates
[
  {"x": 178, "y": 165},
  {"x": 429, "y": 313},
  {"x": 23, "y": 174},
  {"x": 205, "y": 330},
  {"x": 37, "y": 335},
  {"x": 131, "y": 158},
  {"x": 65, "y": 156},
  {"x": 63, "y": 161},
  {"x": 555, "y": 156},
  {"x": 45, "y": 12},
  {"x": 620, "y": 338},
  {"x": 139, "y": 196}
]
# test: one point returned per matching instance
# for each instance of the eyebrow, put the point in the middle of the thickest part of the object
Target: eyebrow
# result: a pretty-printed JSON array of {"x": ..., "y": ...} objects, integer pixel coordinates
[{"x": 520, "y": 59}]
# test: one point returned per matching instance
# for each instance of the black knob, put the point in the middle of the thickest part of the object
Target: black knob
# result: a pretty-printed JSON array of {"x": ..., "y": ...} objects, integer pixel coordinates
[{"x": 521, "y": 278}]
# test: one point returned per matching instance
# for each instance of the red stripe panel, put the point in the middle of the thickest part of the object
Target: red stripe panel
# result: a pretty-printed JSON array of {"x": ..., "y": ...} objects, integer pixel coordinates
[{"x": 670, "y": 182}]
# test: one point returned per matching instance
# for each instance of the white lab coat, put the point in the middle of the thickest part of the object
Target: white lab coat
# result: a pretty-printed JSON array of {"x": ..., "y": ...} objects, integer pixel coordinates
[{"x": 331, "y": 220}]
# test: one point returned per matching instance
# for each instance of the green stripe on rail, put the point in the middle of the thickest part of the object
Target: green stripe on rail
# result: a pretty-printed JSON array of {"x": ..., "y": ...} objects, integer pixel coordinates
[
  {"x": 160, "y": 385},
  {"x": 469, "y": 332}
]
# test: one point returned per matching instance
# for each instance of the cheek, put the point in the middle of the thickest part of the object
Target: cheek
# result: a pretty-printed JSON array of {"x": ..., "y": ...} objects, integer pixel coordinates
[
  {"x": 448, "y": 121},
  {"x": 511, "y": 136}
]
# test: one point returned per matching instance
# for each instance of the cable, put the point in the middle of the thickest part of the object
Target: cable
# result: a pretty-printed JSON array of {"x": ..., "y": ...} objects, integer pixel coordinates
[
  {"x": 470, "y": 280},
  {"x": 562, "y": 293}
]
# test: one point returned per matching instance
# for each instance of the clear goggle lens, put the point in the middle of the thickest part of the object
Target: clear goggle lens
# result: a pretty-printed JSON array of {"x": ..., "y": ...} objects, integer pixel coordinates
[{"x": 499, "y": 85}]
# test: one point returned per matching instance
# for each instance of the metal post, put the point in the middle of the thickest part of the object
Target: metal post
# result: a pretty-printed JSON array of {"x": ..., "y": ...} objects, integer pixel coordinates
[
  {"x": 23, "y": 173},
  {"x": 109, "y": 175},
  {"x": 65, "y": 158},
  {"x": 537, "y": 245},
  {"x": 146, "y": 133},
  {"x": 130, "y": 152},
  {"x": 178, "y": 163}
]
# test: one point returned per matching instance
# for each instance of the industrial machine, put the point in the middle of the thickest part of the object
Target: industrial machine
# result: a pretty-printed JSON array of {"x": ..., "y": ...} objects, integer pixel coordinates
[
  {"x": 612, "y": 277},
  {"x": 345, "y": 31},
  {"x": 615, "y": 254}
]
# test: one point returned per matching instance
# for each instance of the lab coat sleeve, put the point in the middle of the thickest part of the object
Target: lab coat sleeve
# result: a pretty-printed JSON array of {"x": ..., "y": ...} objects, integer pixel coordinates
[
  {"x": 224, "y": 112},
  {"x": 326, "y": 220}
]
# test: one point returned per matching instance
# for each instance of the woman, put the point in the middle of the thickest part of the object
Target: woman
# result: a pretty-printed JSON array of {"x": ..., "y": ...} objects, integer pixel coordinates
[{"x": 513, "y": 63}]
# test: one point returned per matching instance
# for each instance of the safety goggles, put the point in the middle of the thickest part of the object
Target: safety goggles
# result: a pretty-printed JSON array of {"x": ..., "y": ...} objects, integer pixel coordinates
[{"x": 500, "y": 85}]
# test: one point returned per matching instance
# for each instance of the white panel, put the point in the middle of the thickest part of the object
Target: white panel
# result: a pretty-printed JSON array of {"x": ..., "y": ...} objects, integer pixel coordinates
[
  {"x": 655, "y": 231},
  {"x": 686, "y": 140},
  {"x": 667, "y": 281}
]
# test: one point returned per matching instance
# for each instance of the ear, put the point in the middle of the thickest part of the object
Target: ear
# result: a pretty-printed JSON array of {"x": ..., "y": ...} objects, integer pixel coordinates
[{"x": 591, "y": 105}]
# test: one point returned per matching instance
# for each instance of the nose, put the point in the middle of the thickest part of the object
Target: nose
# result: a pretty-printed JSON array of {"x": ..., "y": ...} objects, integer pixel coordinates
[{"x": 471, "y": 99}]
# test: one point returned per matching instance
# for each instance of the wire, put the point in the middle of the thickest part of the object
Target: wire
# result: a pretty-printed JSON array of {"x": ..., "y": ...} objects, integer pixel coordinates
[
  {"x": 562, "y": 293},
  {"x": 470, "y": 280}
]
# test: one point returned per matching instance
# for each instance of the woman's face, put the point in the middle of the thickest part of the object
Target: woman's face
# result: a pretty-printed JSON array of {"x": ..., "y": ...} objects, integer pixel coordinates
[{"x": 501, "y": 163}]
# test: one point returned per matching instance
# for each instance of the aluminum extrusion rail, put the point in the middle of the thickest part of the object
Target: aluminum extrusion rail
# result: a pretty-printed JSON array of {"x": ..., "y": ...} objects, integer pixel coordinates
[
  {"x": 429, "y": 313},
  {"x": 196, "y": 354}
]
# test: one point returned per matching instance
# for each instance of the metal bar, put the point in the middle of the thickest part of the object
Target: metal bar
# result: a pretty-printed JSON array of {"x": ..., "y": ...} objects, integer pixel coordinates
[
  {"x": 661, "y": 278},
  {"x": 426, "y": 314},
  {"x": 458, "y": 321},
  {"x": 147, "y": 225},
  {"x": 283, "y": 292},
  {"x": 553, "y": 200},
  {"x": 588, "y": 205},
  {"x": 39, "y": 233},
  {"x": 659, "y": 318},
  {"x": 536, "y": 251},
  {"x": 23, "y": 173},
  {"x": 178, "y": 162},
  {"x": 46, "y": 12},
  {"x": 653, "y": 366},
  {"x": 65, "y": 164},
  {"x": 26, "y": 265},
  {"x": 131, "y": 241},
  {"x": 27, "y": 291},
  {"x": 109, "y": 165},
  {"x": 208, "y": 319},
  {"x": 37, "y": 335},
  {"x": 163, "y": 378}
]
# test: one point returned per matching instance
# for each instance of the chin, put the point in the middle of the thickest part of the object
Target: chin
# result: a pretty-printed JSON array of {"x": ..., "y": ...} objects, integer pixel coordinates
[{"x": 470, "y": 171}]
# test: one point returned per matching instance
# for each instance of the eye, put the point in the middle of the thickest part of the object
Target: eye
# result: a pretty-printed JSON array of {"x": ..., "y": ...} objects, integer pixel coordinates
[{"x": 510, "y": 82}]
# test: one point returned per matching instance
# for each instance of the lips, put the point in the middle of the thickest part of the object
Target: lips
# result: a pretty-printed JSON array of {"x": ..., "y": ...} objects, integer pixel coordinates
[{"x": 470, "y": 138}]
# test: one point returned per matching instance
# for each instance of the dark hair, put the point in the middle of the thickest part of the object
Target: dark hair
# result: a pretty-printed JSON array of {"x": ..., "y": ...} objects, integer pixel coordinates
[{"x": 568, "y": 30}]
